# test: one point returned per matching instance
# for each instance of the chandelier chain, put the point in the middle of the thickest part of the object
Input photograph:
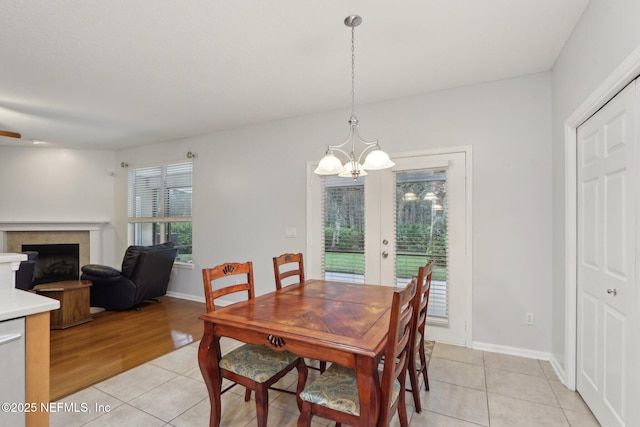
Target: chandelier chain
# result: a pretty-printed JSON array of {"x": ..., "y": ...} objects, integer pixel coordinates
[{"x": 353, "y": 72}]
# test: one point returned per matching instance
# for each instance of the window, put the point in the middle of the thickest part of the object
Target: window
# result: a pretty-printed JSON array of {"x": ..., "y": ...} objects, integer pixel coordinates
[
  {"x": 421, "y": 232},
  {"x": 343, "y": 214},
  {"x": 160, "y": 206}
]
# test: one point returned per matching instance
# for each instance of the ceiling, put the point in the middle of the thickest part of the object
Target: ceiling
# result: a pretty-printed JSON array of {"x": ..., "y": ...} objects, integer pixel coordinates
[{"x": 112, "y": 74}]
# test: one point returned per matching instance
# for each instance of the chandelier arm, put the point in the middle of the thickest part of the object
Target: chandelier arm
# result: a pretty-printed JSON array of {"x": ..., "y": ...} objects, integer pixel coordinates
[{"x": 336, "y": 148}]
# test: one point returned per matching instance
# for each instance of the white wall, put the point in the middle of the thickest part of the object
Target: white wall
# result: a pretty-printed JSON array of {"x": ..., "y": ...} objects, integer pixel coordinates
[
  {"x": 249, "y": 184},
  {"x": 44, "y": 184},
  {"x": 605, "y": 35}
]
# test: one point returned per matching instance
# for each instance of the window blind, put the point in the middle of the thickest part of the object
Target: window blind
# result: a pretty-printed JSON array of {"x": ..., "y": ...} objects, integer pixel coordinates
[
  {"x": 161, "y": 193},
  {"x": 343, "y": 238},
  {"x": 421, "y": 232}
]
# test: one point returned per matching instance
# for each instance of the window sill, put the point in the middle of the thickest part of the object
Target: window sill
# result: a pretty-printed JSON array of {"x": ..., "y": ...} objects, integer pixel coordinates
[{"x": 185, "y": 265}]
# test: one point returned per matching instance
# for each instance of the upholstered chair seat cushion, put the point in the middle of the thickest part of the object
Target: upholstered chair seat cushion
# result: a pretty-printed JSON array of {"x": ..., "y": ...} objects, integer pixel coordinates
[
  {"x": 257, "y": 362},
  {"x": 337, "y": 388}
]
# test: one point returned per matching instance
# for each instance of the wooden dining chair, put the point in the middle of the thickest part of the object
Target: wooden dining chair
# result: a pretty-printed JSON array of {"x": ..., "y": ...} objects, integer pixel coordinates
[
  {"x": 415, "y": 366},
  {"x": 256, "y": 367},
  {"x": 334, "y": 395},
  {"x": 288, "y": 266}
]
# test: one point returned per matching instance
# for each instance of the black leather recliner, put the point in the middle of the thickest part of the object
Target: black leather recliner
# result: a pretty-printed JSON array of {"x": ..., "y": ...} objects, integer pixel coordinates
[
  {"x": 24, "y": 274},
  {"x": 145, "y": 275}
]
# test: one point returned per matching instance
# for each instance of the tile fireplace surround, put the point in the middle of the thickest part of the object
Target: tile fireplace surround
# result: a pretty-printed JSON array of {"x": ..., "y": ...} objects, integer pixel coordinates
[{"x": 87, "y": 234}]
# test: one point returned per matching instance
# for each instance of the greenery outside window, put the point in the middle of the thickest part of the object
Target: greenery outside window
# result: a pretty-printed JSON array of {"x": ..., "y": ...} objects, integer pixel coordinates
[
  {"x": 159, "y": 207},
  {"x": 344, "y": 233}
]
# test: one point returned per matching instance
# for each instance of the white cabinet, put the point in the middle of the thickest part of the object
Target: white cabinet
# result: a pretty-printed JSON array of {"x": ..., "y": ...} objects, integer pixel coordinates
[{"x": 12, "y": 371}]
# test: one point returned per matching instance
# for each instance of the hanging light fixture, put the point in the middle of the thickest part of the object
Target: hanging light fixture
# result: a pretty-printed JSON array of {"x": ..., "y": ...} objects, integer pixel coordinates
[{"x": 376, "y": 158}]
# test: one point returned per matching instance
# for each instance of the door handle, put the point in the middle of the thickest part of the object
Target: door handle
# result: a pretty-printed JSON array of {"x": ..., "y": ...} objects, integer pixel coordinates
[
  {"x": 5, "y": 339},
  {"x": 613, "y": 292},
  {"x": 385, "y": 254}
]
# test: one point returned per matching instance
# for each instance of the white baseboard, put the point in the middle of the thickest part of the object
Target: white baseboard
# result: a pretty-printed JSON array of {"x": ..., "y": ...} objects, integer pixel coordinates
[
  {"x": 185, "y": 296},
  {"x": 513, "y": 351},
  {"x": 190, "y": 297},
  {"x": 559, "y": 371}
]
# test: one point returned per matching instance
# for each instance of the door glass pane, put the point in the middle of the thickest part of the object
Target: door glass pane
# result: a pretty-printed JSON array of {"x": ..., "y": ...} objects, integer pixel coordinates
[
  {"x": 343, "y": 214},
  {"x": 421, "y": 231}
]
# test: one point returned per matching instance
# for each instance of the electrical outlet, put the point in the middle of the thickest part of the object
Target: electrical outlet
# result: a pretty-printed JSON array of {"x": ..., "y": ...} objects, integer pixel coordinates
[{"x": 528, "y": 319}]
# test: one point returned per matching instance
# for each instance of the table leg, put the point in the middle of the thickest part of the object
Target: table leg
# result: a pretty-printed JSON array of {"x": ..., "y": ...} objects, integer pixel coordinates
[
  {"x": 368, "y": 390},
  {"x": 208, "y": 356}
]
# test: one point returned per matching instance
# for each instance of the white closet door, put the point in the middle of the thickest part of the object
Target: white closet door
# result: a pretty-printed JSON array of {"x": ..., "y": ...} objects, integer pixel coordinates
[{"x": 607, "y": 186}]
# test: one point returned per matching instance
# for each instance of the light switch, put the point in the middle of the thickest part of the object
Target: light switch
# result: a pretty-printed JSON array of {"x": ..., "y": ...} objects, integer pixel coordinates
[{"x": 290, "y": 232}]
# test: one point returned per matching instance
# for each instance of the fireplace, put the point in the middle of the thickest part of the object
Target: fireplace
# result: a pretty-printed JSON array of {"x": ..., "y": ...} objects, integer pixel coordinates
[{"x": 55, "y": 262}]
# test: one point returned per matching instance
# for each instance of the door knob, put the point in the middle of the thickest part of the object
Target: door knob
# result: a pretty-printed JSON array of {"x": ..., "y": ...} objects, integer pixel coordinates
[
  {"x": 385, "y": 242},
  {"x": 385, "y": 254},
  {"x": 613, "y": 292}
]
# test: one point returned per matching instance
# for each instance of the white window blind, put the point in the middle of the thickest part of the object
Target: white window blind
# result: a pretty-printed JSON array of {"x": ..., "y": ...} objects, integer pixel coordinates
[
  {"x": 161, "y": 193},
  {"x": 343, "y": 213},
  {"x": 421, "y": 232},
  {"x": 159, "y": 206}
]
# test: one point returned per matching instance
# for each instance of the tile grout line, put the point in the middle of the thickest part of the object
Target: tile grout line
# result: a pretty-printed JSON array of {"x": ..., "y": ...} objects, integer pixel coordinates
[{"x": 486, "y": 386}]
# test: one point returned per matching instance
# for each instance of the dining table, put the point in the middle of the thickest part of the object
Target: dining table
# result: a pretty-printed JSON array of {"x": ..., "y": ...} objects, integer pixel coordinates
[{"x": 333, "y": 321}]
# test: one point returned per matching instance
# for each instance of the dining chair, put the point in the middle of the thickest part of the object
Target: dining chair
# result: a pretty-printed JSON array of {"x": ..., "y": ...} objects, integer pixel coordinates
[
  {"x": 334, "y": 395},
  {"x": 421, "y": 302},
  {"x": 288, "y": 266},
  {"x": 256, "y": 367}
]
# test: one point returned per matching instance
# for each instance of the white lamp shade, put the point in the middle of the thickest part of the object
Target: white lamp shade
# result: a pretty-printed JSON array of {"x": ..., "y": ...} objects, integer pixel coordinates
[
  {"x": 329, "y": 165},
  {"x": 348, "y": 167},
  {"x": 377, "y": 159},
  {"x": 430, "y": 196},
  {"x": 409, "y": 197}
]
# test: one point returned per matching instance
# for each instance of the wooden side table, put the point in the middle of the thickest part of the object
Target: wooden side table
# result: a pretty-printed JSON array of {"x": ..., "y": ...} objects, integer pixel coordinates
[{"x": 74, "y": 302}]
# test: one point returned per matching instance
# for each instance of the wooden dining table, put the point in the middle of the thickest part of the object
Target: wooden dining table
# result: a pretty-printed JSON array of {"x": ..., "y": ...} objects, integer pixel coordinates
[{"x": 338, "y": 322}]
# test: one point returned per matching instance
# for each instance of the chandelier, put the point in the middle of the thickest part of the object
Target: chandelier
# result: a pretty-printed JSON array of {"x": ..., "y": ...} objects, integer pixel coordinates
[{"x": 376, "y": 158}]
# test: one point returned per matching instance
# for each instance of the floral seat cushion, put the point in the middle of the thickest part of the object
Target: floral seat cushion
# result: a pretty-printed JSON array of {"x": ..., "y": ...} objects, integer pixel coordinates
[
  {"x": 257, "y": 362},
  {"x": 337, "y": 389}
]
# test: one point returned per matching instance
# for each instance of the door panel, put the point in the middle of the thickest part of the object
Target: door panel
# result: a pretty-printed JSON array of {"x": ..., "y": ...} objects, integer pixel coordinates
[
  {"x": 375, "y": 250},
  {"x": 606, "y": 256},
  {"x": 448, "y": 312}
]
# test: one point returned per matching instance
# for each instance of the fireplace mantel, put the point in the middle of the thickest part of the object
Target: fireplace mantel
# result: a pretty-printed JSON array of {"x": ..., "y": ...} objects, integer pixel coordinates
[
  {"x": 52, "y": 225},
  {"x": 94, "y": 228}
]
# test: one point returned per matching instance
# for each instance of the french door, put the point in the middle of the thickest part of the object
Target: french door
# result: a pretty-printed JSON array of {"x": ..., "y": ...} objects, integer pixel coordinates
[
  {"x": 383, "y": 227},
  {"x": 606, "y": 254}
]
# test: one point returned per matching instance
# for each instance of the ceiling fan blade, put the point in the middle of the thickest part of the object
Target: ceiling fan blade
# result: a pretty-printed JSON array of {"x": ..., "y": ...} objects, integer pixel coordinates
[{"x": 10, "y": 134}]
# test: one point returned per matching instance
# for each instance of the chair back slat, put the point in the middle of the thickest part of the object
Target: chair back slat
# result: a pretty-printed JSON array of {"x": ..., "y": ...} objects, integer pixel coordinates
[
  {"x": 295, "y": 265},
  {"x": 209, "y": 275}
]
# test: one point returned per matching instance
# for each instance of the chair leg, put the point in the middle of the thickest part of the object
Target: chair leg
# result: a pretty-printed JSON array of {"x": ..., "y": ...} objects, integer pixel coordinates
[
  {"x": 262, "y": 405},
  {"x": 413, "y": 378},
  {"x": 423, "y": 367},
  {"x": 402, "y": 408},
  {"x": 323, "y": 366},
  {"x": 304, "y": 420},
  {"x": 247, "y": 394}
]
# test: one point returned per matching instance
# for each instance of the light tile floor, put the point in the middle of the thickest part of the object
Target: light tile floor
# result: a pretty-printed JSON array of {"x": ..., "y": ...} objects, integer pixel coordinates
[{"x": 469, "y": 388}]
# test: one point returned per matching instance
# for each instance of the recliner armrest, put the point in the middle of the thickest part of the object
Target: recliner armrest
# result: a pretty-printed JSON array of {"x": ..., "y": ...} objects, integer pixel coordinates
[{"x": 97, "y": 270}]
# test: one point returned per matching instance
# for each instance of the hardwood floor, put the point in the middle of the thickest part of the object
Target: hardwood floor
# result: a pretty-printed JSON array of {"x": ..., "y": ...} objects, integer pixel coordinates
[{"x": 116, "y": 341}]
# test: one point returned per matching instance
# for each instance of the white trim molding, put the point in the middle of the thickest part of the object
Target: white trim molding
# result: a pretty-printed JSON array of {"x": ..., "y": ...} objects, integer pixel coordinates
[{"x": 624, "y": 74}]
